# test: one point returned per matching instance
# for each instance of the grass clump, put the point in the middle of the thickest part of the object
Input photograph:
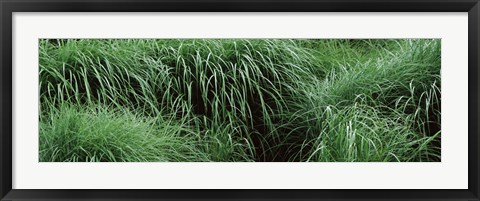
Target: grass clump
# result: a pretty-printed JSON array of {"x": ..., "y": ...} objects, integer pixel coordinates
[
  {"x": 74, "y": 133},
  {"x": 239, "y": 100}
]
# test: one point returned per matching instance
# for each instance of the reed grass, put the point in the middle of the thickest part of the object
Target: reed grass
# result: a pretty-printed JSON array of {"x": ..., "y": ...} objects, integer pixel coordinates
[{"x": 226, "y": 100}]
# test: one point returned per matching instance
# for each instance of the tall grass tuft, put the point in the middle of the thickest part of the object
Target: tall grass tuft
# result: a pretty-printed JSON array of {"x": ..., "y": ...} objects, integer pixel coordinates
[{"x": 239, "y": 100}]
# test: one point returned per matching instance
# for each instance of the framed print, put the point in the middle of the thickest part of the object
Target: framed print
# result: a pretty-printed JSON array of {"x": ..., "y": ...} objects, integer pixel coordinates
[{"x": 239, "y": 100}]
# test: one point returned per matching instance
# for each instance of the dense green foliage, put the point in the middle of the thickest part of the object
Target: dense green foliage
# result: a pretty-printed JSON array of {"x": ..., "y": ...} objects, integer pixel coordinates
[{"x": 239, "y": 100}]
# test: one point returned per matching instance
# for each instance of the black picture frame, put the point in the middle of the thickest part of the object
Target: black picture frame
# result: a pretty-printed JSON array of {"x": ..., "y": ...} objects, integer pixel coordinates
[{"x": 7, "y": 7}]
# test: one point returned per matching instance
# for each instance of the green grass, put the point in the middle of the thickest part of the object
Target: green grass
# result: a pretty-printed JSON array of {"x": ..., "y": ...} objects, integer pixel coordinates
[{"x": 221, "y": 100}]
